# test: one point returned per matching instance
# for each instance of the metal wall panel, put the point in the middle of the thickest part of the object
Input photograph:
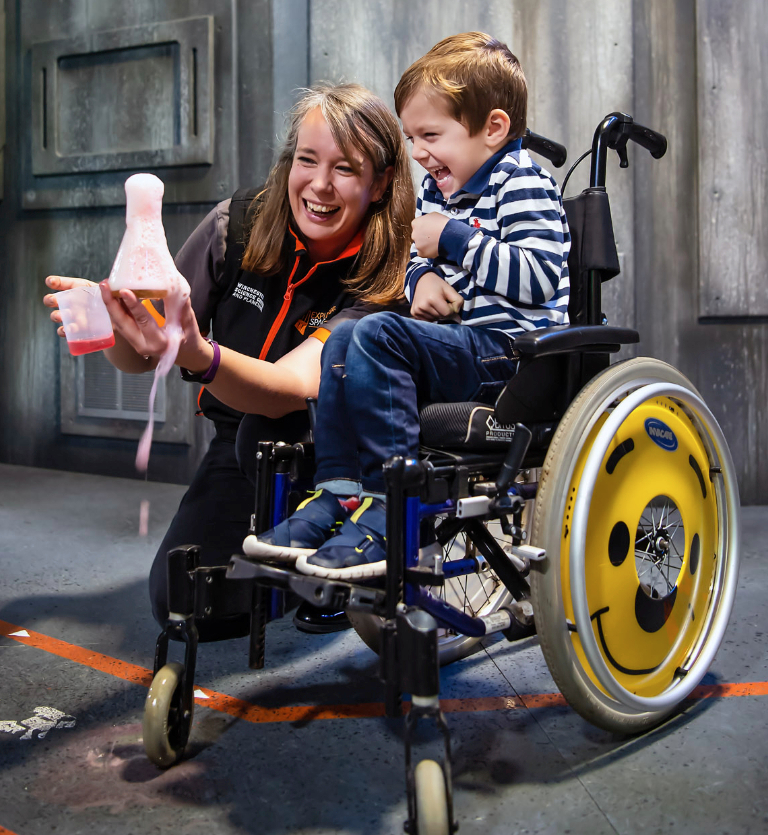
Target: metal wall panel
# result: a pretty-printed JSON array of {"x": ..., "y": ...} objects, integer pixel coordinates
[
  {"x": 134, "y": 98},
  {"x": 578, "y": 58},
  {"x": 725, "y": 361},
  {"x": 2, "y": 101},
  {"x": 175, "y": 72},
  {"x": 732, "y": 63},
  {"x": 691, "y": 247}
]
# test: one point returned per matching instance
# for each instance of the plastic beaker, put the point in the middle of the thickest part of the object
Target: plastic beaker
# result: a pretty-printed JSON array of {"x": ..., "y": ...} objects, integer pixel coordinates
[{"x": 87, "y": 325}]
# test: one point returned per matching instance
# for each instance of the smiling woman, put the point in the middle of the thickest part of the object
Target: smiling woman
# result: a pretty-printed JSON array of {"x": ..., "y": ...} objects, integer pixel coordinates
[
  {"x": 272, "y": 272},
  {"x": 329, "y": 193}
]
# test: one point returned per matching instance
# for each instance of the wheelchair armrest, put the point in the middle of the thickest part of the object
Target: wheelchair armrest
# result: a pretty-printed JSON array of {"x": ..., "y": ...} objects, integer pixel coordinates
[{"x": 560, "y": 339}]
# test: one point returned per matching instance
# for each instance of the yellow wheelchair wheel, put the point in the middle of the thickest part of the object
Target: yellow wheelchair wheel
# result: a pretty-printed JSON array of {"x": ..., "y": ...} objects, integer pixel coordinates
[{"x": 638, "y": 512}]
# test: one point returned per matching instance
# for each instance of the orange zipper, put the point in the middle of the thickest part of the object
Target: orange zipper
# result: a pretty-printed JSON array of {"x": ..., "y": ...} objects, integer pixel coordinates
[
  {"x": 352, "y": 248},
  {"x": 287, "y": 298}
]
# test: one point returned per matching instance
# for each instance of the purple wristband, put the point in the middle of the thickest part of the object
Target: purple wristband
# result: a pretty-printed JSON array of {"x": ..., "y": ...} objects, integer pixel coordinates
[
  {"x": 214, "y": 366},
  {"x": 207, "y": 376}
]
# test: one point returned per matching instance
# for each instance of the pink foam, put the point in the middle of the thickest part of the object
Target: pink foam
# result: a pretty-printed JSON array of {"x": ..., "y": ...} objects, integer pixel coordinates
[{"x": 144, "y": 265}]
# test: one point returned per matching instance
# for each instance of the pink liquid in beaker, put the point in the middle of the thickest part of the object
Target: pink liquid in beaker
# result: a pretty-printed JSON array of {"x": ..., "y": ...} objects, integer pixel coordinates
[{"x": 88, "y": 346}]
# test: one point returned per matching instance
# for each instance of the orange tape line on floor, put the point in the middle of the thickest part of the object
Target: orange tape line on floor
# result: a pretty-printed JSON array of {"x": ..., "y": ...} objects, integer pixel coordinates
[
  {"x": 298, "y": 713},
  {"x": 4, "y": 831},
  {"x": 87, "y": 657}
]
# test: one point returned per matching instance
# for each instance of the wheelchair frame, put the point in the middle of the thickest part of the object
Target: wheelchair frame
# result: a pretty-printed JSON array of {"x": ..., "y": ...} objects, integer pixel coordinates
[{"x": 466, "y": 489}]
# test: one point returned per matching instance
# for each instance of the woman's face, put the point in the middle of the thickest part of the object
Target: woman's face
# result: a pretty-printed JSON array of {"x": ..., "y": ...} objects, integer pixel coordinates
[{"x": 328, "y": 199}]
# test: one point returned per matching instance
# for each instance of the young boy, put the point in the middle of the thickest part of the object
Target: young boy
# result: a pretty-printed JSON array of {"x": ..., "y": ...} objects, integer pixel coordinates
[{"x": 490, "y": 249}]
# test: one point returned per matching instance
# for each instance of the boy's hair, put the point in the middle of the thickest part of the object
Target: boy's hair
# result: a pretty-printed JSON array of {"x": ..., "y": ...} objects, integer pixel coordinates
[
  {"x": 474, "y": 74},
  {"x": 359, "y": 121}
]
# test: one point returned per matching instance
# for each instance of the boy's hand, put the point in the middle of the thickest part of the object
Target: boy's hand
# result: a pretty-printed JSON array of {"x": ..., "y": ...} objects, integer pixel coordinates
[
  {"x": 435, "y": 299},
  {"x": 425, "y": 233}
]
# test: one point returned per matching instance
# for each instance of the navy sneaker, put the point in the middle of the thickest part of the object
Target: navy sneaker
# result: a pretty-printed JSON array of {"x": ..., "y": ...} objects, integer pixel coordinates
[
  {"x": 358, "y": 550},
  {"x": 302, "y": 533}
]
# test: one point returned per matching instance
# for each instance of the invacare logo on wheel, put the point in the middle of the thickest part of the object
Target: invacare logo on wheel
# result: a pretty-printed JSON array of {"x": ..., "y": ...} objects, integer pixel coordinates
[{"x": 661, "y": 434}]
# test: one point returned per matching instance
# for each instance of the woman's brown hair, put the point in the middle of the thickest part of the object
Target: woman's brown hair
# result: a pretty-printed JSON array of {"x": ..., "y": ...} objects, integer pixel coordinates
[{"x": 358, "y": 120}]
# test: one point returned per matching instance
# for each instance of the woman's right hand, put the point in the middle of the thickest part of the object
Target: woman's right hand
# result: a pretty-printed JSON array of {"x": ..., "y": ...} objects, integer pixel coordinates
[
  {"x": 57, "y": 283},
  {"x": 135, "y": 324}
]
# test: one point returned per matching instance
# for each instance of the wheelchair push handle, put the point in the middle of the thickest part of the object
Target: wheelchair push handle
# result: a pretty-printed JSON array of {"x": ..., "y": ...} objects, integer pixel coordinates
[
  {"x": 553, "y": 151},
  {"x": 613, "y": 133}
]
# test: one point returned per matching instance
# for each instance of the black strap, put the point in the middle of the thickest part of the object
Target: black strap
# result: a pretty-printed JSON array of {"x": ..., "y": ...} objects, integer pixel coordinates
[{"x": 241, "y": 210}]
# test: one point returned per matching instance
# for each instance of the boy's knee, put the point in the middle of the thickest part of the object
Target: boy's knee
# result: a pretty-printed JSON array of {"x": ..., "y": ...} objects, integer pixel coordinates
[
  {"x": 335, "y": 346},
  {"x": 376, "y": 326}
]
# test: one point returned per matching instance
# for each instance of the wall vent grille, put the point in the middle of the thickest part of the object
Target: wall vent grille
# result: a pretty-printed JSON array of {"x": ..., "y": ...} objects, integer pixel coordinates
[{"x": 103, "y": 392}]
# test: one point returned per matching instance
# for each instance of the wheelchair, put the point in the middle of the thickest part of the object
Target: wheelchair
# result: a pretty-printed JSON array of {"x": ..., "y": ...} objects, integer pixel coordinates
[{"x": 594, "y": 503}]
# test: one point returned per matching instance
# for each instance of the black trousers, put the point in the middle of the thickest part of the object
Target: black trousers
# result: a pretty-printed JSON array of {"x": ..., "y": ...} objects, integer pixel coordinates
[{"x": 215, "y": 514}]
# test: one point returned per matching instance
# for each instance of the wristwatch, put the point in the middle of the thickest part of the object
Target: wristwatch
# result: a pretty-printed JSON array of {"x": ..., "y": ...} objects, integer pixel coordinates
[{"x": 204, "y": 377}]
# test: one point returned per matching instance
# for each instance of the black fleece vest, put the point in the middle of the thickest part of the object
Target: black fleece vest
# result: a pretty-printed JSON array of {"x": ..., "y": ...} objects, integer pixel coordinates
[{"x": 268, "y": 316}]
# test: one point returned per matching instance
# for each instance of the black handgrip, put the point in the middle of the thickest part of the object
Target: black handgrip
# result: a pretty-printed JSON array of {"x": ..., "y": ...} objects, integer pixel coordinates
[
  {"x": 651, "y": 140},
  {"x": 553, "y": 151}
]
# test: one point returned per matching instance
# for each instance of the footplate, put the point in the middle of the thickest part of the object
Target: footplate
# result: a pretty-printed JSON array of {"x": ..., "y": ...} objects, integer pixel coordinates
[{"x": 324, "y": 594}]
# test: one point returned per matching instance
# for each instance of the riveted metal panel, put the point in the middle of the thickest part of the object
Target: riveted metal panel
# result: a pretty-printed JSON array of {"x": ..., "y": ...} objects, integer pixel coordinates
[
  {"x": 109, "y": 89},
  {"x": 138, "y": 97}
]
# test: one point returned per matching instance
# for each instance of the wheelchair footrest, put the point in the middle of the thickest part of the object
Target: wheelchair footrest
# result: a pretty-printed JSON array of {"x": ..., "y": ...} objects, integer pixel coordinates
[{"x": 324, "y": 594}]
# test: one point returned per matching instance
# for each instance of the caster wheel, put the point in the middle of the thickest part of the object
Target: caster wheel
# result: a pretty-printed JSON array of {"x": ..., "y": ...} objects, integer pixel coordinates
[
  {"x": 165, "y": 728},
  {"x": 431, "y": 799}
]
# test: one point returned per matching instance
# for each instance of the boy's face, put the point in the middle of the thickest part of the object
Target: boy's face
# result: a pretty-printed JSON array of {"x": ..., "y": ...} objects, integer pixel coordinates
[{"x": 441, "y": 144}]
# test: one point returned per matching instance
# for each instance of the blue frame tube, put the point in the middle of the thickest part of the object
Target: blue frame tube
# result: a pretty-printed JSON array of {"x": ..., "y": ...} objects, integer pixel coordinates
[
  {"x": 448, "y": 616},
  {"x": 282, "y": 487}
]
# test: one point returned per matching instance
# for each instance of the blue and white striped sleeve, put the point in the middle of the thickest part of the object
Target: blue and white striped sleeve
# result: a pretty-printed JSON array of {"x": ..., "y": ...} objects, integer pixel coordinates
[{"x": 526, "y": 264}]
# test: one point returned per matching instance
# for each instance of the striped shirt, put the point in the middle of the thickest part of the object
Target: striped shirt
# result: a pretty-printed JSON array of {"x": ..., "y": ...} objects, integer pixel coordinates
[{"x": 505, "y": 247}]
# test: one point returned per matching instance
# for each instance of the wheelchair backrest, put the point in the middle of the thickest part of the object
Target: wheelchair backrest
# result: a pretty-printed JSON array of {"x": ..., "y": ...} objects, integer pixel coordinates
[{"x": 593, "y": 250}]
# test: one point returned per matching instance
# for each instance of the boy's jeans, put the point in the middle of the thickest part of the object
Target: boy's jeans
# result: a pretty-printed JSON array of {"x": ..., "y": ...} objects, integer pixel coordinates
[{"x": 378, "y": 370}]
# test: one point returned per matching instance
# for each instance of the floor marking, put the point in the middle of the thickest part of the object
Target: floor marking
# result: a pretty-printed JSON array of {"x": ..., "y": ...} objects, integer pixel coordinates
[
  {"x": 4, "y": 831},
  {"x": 42, "y": 720},
  {"x": 22, "y": 633},
  {"x": 250, "y": 712},
  {"x": 87, "y": 657}
]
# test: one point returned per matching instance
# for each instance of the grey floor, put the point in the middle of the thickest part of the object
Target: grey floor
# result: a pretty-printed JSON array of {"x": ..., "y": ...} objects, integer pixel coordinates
[{"x": 74, "y": 574}]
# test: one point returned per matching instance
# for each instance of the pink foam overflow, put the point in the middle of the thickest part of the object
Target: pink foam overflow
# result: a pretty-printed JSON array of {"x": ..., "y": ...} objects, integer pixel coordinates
[{"x": 143, "y": 262}]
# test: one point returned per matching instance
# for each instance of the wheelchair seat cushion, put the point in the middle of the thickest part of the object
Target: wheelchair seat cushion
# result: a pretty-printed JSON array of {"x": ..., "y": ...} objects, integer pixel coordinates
[{"x": 471, "y": 426}]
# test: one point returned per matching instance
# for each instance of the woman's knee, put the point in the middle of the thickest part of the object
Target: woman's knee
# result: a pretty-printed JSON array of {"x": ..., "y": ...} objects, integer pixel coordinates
[{"x": 290, "y": 428}]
